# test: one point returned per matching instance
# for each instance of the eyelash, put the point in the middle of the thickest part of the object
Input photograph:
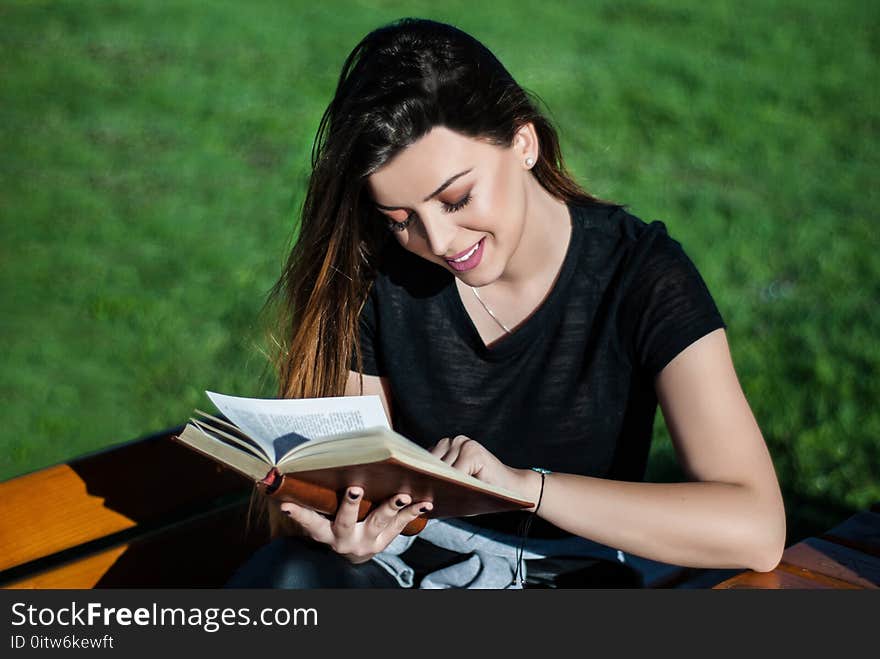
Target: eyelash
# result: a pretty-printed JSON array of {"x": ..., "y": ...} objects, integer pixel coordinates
[{"x": 447, "y": 208}]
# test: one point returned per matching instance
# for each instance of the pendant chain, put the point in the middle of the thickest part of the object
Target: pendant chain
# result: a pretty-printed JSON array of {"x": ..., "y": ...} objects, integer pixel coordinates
[{"x": 488, "y": 310}]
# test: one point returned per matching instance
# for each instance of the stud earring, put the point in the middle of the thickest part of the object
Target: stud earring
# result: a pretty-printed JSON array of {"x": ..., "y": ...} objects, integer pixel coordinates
[{"x": 530, "y": 161}]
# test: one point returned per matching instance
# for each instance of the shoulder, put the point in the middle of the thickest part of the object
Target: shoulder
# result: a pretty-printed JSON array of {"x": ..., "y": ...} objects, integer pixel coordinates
[
  {"x": 615, "y": 223},
  {"x": 617, "y": 244},
  {"x": 664, "y": 303}
]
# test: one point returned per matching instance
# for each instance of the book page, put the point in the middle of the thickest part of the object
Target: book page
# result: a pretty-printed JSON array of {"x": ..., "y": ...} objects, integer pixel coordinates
[{"x": 280, "y": 424}]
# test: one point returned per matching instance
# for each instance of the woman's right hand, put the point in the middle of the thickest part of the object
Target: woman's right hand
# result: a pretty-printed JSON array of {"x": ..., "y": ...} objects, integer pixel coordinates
[{"x": 358, "y": 541}]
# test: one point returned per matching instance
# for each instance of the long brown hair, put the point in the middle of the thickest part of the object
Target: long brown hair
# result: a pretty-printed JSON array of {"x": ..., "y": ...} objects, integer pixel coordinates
[{"x": 400, "y": 81}]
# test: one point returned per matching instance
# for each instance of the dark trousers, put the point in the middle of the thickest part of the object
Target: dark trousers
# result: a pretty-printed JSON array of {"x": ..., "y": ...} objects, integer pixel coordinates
[{"x": 299, "y": 563}]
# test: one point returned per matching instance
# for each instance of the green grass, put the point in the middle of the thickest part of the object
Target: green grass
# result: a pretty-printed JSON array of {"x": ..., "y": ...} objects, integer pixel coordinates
[{"x": 153, "y": 155}]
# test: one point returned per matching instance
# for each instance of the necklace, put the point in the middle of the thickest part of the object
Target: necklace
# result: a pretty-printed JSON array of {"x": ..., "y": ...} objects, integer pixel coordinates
[{"x": 488, "y": 310}]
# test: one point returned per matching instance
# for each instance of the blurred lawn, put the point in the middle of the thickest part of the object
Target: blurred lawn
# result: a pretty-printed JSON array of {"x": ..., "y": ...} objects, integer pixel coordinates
[{"x": 152, "y": 156}]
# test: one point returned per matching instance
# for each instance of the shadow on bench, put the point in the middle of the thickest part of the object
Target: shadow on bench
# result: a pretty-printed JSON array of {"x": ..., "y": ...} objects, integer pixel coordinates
[{"x": 148, "y": 513}]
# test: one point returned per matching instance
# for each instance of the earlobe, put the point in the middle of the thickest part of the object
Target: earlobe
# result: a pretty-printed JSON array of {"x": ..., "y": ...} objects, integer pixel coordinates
[{"x": 526, "y": 145}]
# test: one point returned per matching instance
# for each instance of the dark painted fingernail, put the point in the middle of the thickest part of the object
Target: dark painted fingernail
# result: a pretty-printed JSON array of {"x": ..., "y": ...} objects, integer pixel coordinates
[
  {"x": 399, "y": 503},
  {"x": 424, "y": 509},
  {"x": 353, "y": 496}
]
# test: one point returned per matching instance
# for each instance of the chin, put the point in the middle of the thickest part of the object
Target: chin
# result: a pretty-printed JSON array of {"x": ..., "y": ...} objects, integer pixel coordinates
[{"x": 479, "y": 276}]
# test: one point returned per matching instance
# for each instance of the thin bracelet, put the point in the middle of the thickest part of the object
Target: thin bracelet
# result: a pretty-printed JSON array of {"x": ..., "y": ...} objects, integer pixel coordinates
[
  {"x": 543, "y": 473},
  {"x": 527, "y": 525}
]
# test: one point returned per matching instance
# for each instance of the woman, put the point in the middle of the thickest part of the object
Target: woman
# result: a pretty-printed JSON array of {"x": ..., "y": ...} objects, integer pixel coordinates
[{"x": 508, "y": 320}]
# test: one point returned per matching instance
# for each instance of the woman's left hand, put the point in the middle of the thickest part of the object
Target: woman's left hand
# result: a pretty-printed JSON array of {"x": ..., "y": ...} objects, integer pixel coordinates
[{"x": 474, "y": 459}]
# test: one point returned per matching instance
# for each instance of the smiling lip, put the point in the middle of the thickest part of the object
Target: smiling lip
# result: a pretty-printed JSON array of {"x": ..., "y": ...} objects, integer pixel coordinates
[
  {"x": 460, "y": 254},
  {"x": 472, "y": 262}
]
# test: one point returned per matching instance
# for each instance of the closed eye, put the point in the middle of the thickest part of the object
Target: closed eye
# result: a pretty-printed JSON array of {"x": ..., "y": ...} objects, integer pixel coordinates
[
  {"x": 458, "y": 205},
  {"x": 401, "y": 226},
  {"x": 393, "y": 225}
]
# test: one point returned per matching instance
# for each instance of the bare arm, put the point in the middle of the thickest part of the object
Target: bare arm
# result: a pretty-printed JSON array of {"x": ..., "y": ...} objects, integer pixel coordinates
[{"x": 731, "y": 514}]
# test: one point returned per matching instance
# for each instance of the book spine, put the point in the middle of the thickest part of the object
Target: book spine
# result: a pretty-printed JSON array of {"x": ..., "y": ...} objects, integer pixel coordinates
[{"x": 321, "y": 499}]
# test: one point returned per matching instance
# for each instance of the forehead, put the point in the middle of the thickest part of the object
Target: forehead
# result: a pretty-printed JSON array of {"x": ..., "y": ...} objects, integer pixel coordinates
[{"x": 416, "y": 171}]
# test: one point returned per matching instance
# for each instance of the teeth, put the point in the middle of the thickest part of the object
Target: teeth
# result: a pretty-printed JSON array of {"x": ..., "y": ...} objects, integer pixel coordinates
[{"x": 466, "y": 256}]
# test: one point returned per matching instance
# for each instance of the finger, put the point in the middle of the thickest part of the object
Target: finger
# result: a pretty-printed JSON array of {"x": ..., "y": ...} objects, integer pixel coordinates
[
  {"x": 385, "y": 514},
  {"x": 454, "y": 451},
  {"x": 316, "y": 526},
  {"x": 439, "y": 449},
  {"x": 347, "y": 512},
  {"x": 404, "y": 517},
  {"x": 471, "y": 457}
]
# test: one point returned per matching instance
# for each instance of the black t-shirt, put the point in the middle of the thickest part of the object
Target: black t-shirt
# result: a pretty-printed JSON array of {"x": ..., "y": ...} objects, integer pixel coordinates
[{"x": 571, "y": 389}]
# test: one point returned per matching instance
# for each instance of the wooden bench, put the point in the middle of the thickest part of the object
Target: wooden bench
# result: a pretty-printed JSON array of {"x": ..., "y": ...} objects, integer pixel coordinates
[
  {"x": 152, "y": 513},
  {"x": 148, "y": 513}
]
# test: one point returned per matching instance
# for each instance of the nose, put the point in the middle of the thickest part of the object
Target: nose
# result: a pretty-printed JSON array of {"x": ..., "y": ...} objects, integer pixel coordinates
[{"x": 438, "y": 231}]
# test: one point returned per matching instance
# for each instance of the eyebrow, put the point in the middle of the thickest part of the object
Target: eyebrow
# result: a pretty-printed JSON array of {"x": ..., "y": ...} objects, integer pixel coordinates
[{"x": 445, "y": 185}]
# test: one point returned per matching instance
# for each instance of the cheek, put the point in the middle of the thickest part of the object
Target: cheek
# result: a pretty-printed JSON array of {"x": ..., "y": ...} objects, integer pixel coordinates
[{"x": 503, "y": 207}]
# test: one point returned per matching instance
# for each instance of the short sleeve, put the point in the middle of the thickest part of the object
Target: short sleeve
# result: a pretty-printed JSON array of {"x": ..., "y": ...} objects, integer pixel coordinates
[
  {"x": 668, "y": 305},
  {"x": 368, "y": 337}
]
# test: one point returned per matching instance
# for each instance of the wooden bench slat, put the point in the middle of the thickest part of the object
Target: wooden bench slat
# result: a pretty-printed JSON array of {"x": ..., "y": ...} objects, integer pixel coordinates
[
  {"x": 198, "y": 552},
  {"x": 83, "y": 573},
  {"x": 784, "y": 577},
  {"x": 50, "y": 511}
]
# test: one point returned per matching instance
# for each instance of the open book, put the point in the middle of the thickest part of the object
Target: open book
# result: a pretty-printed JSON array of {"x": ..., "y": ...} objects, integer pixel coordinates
[{"x": 310, "y": 450}]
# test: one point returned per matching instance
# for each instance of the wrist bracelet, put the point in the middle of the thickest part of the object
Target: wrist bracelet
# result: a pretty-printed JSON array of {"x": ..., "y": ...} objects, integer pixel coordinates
[
  {"x": 543, "y": 473},
  {"x": 520, "y": 572}
]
